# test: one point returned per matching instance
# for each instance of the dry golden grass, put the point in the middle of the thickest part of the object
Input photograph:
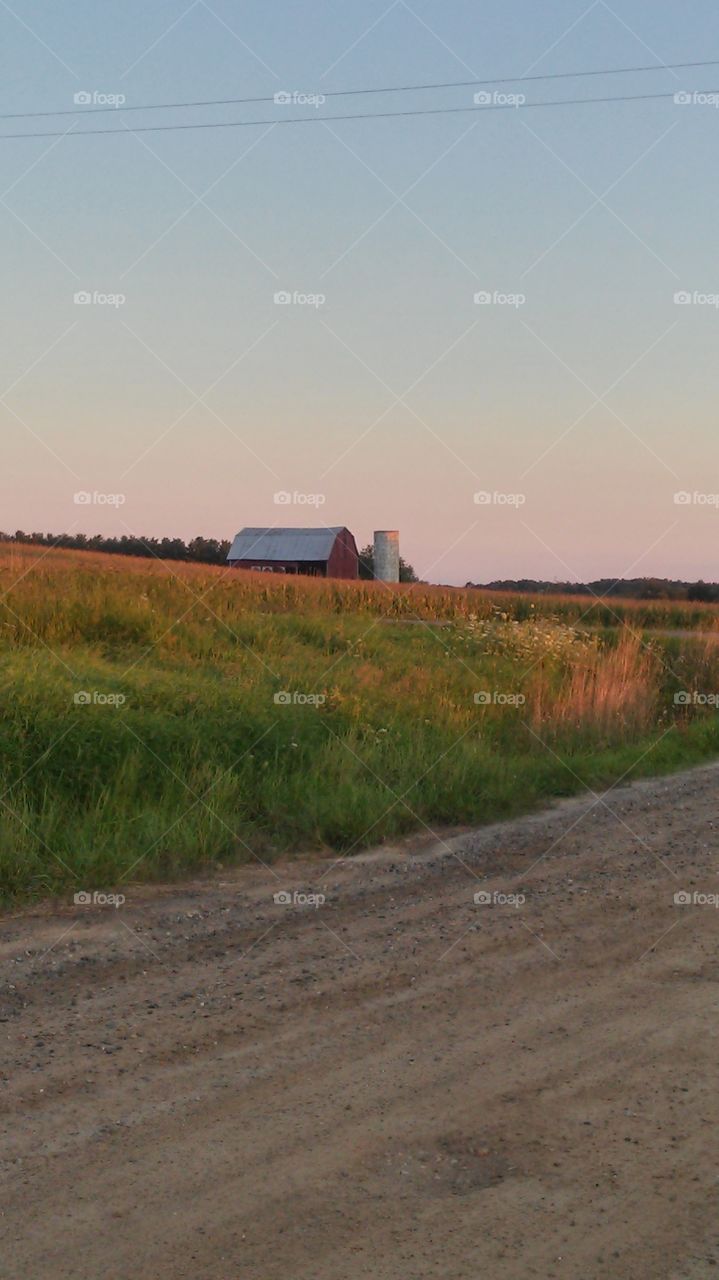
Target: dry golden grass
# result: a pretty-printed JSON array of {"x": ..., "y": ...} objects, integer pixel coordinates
[{"x": 615, "y": 690}]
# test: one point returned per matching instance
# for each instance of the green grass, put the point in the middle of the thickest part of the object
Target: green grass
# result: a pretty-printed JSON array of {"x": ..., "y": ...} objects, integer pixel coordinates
[{"x": 199, "y": 764}]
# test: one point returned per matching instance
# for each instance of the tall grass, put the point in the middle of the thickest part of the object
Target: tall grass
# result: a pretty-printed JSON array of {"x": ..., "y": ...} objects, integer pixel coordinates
[
  {"x": 611, "y": 693},
  {"x": 432, "y": 707}
]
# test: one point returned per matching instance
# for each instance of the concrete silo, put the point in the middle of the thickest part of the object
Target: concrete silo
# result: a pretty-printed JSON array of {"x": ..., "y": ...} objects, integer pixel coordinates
[{"x": 386, "y": 555}]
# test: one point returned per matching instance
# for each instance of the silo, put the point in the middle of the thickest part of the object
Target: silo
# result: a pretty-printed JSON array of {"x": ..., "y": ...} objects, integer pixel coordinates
[{"x": 386, "y": 555}]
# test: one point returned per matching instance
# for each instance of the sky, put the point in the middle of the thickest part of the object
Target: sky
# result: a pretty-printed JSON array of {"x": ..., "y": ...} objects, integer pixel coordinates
[{"x": 495, "y": 331}]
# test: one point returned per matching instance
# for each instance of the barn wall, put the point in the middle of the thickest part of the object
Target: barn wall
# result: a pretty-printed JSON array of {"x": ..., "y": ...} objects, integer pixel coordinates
[
  {"x": 281, "y": 566},
  {"x": 343, "y": 561}
]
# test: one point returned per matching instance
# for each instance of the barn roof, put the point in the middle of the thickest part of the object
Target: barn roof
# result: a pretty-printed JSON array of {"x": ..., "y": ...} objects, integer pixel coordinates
[{"x": 283, "y": 544}]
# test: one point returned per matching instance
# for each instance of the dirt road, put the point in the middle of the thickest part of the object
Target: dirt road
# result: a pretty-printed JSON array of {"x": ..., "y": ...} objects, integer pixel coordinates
[{"x": 400, "y": 1082}]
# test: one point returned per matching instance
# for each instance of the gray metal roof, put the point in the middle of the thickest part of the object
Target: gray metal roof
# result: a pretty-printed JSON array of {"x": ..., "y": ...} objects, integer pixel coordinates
[{"x": 283, "y": 544}]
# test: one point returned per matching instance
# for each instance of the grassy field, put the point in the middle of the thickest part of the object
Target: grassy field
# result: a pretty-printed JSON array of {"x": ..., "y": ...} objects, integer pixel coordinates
[{"x": 154, "y": 718}]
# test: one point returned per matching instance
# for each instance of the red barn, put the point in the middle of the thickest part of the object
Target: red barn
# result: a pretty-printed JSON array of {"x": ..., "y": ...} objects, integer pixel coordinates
[{"x": 322, "y": 553}]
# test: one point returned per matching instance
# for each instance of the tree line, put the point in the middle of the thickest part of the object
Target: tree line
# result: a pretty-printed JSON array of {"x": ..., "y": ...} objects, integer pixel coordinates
[
  {"x": 203, "y": 550},
  {"x": 628, "y": 588}
]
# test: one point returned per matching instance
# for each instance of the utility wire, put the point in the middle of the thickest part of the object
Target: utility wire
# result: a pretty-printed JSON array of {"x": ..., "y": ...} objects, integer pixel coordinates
[
  {"x": 369, "y": 115},
  {"x": 346, "y": 93}
]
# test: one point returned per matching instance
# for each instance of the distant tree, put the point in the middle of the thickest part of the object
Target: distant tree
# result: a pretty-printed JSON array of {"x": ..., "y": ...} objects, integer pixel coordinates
[
  {"x": 406, "y": 572},
  {"x": 703, "y": 592},
  {"x": 366, "y": 562},
  {"x": 208, "y": 550}
]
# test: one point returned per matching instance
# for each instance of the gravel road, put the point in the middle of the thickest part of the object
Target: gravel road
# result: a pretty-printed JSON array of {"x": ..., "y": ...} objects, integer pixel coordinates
[{"x": 399, "y": 1082}]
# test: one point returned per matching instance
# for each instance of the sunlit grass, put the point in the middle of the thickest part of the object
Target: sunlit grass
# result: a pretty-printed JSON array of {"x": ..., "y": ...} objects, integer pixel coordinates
[{"x": 184, "y": 757}]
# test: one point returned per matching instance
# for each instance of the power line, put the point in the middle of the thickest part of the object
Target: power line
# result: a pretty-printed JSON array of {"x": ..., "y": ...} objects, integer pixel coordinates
[
  {"x": 368, "y": 115},
  {"x": 346, "y": 93}
]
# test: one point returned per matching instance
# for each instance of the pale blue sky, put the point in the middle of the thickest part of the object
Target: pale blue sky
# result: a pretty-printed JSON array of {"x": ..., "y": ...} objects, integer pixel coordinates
[{"x": 302, "y": 398}]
